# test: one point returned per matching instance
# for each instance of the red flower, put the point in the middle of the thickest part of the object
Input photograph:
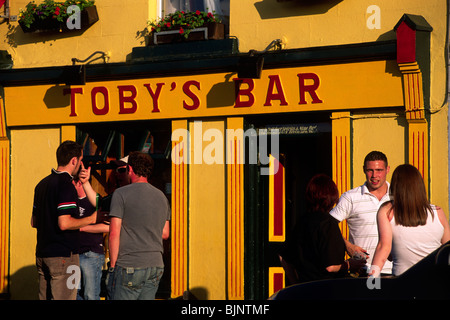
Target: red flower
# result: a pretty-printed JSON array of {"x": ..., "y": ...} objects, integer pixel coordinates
[
  {"x": 197, "y": 12},
  {"x": 181, "y": 31}
]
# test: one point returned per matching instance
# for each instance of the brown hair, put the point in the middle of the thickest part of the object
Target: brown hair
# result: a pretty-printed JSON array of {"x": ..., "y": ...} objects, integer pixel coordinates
[
  {"x": 376, "y": 156},
  {"x": 409, "y": 197},
  {"x": 66, "y": 151},
  {"x": 142, "y": 163},
  {"x": 321, "y": 194}
]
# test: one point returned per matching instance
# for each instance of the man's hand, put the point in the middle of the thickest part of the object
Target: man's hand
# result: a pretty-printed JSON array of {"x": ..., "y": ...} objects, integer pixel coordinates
[
  {"x": 353, "y": 250},
  {"x": 84, "y": 174}
]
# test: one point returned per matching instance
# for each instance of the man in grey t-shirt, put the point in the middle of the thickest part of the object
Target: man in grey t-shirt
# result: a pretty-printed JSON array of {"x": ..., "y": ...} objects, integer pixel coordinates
[{"x": 140, "y": 215}]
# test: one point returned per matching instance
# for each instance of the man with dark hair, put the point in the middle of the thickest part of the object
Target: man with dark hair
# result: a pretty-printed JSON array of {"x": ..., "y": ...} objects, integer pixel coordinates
[
  {"x": 54, "y": 215},
  {"x": 360, "y": 205},
  {"x": 140, "y": 215}
]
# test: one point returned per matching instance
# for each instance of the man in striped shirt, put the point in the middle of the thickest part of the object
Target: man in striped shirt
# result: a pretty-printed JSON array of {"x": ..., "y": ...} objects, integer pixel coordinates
[
  {"x": 54, "y": 216},
  {"x": 360, "y": 205}
]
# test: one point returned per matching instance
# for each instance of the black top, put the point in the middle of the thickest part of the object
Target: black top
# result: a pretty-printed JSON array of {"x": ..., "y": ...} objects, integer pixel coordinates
[
  {"x": 89, "y": 241},
  {"x": 315, "y": 244},
  {"x": 55, "y": 196}
]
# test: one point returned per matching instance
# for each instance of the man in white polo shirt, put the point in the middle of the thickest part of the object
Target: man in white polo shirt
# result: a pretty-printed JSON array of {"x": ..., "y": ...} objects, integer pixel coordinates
[{"x": 360, "y": 205}]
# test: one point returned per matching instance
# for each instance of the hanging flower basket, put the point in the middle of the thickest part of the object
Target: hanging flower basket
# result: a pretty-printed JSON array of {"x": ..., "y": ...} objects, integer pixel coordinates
[
  {"x": 51, "y": 16},
  {"x": 187, "y": 26}
]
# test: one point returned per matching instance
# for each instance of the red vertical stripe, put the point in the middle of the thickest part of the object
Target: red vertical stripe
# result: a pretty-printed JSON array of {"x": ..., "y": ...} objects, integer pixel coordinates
[
  {"x": 278, "y": 198},
  {"x": 277, "y": 281}
]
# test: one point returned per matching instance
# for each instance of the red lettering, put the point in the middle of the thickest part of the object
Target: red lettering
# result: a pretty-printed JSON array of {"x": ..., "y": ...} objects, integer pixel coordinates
[
  {"x": 195, "y": 100},
  {"x": 104, "y": 92},
  {"x": 275, "y": 81},
  {"x": 244, "y": 92},
  {"x": 129, "y": 99},
  {"x": 311, "y": 89},
  {"x": 155, "y": 95},
  {"x": 72, "y": 92}
]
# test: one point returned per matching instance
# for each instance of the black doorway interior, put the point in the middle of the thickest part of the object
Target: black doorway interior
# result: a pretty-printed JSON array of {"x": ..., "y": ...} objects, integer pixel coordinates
[{"x": 305, "y": 149}]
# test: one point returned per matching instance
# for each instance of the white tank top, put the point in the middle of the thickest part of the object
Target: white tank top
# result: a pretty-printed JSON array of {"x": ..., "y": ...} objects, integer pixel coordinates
[{"x": 412, "y": 244}]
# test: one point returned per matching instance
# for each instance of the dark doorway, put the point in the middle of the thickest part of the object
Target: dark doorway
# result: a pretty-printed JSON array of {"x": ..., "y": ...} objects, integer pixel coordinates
[{"x": 305, "y": 149}]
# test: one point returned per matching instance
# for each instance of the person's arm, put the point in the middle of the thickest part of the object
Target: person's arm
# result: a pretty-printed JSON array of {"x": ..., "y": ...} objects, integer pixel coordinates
[
  {"x": 353, "y": 265},
  {"x": 443, "y": 220},
  {"x": 114, "y": 240},
  {"x": 166, "y": 230},
  {"x": 352, "y": 249},
  {"x": 341, "y": 212},
  {"x": 96, "y": 228},
  {"x": 67, "y": 222},
  {"x": 384, "y": 245},
  {"x": 84, "y": 176}
]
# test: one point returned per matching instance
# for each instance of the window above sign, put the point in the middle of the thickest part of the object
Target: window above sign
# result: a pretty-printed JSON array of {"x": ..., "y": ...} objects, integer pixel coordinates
[{"x": 219, "y": 7}]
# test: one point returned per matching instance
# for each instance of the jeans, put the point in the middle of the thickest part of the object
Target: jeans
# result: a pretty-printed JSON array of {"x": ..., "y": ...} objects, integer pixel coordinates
[
  {"x": 91, "y": 275},
  {"x": 133, "y": 283},
  {"x": 58, "y": 277}
]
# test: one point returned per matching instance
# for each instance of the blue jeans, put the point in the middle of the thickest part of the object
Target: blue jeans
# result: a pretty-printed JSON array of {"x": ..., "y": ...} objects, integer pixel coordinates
[
  {"x": 91, "y": 275},
  {"x": 133, "y": 283}
]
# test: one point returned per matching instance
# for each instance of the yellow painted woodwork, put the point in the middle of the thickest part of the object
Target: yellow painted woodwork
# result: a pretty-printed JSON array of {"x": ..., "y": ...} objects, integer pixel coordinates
[
  {"x": 179, "y": 226},
  {"x": 273, "y": 271},
  {"x": 207, "y": 212},
  {"x": 415, "y": 114},
  {"x": 235, "y": 208},
  {"x": 341, "y": 156},
  {"x": 4, "y": 201},
  {"x": 4, "y": 213},
  {"x": 33, "y": 155},
  {"x": 68, "y": 133},
  {"x": 340, "y": 86}
]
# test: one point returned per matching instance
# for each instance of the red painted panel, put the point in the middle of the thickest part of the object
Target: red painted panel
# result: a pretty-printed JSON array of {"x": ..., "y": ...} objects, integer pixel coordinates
[
  {"x": 406, "y": 44},
  {"x": 278, "y": 199}
]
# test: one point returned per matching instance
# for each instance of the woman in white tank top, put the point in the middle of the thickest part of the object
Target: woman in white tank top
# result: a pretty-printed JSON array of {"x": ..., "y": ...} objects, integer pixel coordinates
[{"x": 409, "y": 227}]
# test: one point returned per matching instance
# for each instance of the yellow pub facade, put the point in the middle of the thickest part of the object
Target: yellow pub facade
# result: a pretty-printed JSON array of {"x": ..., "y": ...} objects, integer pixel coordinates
[{"x": 236, "y": 126}]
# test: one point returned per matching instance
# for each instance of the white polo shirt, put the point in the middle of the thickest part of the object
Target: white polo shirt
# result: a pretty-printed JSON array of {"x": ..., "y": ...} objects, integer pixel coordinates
[{"x": 359, "y": 207}]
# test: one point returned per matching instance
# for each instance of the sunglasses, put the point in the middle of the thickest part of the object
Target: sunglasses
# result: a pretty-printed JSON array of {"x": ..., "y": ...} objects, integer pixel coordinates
[{"x": 122, "y": 170}]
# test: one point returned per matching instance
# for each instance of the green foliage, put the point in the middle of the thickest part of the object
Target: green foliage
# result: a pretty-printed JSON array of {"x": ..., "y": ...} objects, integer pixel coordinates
[
  {"x": 49, "y": 9},
  {"x": 183, "y": 21}
]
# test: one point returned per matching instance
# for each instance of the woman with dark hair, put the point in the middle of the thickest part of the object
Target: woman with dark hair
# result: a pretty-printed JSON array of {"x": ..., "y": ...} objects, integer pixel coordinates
[
  {"x": 409, "y": 227},
  {"x": 316, "y": 249}
]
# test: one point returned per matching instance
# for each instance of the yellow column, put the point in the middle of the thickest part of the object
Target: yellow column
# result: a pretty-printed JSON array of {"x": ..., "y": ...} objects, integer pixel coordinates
[
  {"x": 235, "y": 208},
  {"x": 415, "y": 115},
  {"x": 4, "y": 201},
  {"x": 68, "y": 133},
  {"x": 341, "y": 155},
  {"x": 207, "y": 249},
  {"x": 179, "y": 238}
]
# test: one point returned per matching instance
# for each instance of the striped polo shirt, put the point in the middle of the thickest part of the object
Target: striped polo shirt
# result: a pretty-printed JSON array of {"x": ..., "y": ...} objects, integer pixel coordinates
[
  {"x": 54, "y": 196},
  {"x": 359, "y": 207}
]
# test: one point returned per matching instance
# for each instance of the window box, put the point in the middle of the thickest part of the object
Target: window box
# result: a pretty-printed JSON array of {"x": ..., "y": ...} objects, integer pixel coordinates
[
  {"x": 211, "y": 31},
  {"x": 88, "y": 15}
]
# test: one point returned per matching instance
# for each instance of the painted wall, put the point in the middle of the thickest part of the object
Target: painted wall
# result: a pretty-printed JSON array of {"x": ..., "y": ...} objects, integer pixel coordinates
[
  {"x": 33, "y": 155},
  {"x": 257, "y": 23},
  {"x": 121, "y": 26},
  {"x": 207, "y": 230}
]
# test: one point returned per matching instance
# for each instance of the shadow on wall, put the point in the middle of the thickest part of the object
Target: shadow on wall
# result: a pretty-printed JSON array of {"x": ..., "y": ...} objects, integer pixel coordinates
[
  {"x": 271, "y": 9},
  {"x": 24, "y": 284}
]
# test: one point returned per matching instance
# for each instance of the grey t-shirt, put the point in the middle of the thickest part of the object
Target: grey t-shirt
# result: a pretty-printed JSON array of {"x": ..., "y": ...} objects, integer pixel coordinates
[{"x": 144, "y": 211}]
